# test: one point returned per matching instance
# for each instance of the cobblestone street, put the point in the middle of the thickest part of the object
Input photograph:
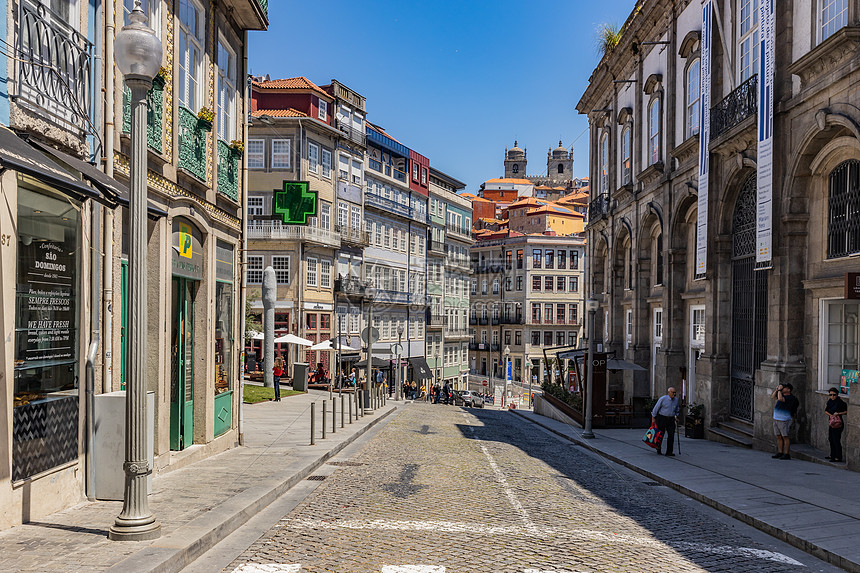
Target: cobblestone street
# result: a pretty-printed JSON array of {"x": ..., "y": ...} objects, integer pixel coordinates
[{"x": 442, "y": 489}]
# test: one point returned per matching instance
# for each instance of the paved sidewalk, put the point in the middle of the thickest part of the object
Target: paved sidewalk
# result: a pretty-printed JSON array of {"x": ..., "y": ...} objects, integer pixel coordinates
[
  {"x": 812, "y": 506},
  {"x": 197, "y": 505}
]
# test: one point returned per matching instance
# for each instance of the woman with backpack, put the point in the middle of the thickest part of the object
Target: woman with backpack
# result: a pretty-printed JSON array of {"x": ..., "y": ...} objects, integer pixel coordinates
[{"x": 835, "y": 409}]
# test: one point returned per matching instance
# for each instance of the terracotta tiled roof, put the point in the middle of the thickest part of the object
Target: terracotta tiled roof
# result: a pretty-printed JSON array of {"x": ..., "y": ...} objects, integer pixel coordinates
[
  {"x": 510, "y": 180},
  {"x": 527, "y": 201},
  {"x": 289, "y": 112},
  {"x": 299, "y": 83}
]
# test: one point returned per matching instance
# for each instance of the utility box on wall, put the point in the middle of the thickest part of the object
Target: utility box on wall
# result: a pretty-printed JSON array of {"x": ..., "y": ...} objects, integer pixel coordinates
[{"x": 109, "y": 444}]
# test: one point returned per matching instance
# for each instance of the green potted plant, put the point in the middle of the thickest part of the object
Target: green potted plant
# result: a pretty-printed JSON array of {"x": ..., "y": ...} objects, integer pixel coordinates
[
  {"x": 694, "y": 422},
  {"x": 237, "y": 147},
  {"x": 205, "y": 117}
]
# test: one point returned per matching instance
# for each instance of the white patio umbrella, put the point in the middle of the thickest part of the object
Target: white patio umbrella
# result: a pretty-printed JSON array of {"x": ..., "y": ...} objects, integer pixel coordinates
[
  {"x": 327, "y": 345},
  {"x": 293, "y": 339},
  {"x": 254, "y": 335}
]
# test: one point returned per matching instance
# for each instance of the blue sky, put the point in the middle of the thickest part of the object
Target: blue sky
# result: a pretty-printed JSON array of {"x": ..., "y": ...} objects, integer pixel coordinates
[{"x": 456, "y": 81}]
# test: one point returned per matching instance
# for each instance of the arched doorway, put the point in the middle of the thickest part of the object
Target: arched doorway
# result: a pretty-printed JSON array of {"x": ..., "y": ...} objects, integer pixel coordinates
[{"x": 749, "y": 305}]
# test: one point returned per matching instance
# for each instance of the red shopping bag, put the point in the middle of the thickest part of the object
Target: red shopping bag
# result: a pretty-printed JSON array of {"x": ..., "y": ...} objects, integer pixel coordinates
[{"x": 653, "y": 437}]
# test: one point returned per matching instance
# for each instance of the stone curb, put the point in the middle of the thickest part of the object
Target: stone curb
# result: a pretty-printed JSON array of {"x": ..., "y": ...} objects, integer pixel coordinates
[
  {"x": 802, "y": 544},
  {"x": 181, "y": 547}
]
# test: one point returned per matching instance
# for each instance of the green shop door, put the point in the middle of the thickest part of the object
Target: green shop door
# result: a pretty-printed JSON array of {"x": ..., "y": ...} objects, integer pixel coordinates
[{"x": 182, "y": 382}]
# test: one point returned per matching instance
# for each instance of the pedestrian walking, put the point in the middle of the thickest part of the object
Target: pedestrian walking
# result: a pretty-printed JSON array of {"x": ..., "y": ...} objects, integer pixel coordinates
[
  {"x": 277, "y": 372},
  {"x": 785, "y": 407},
  {"x": 665, "y": 415},
  {"x": 413, "y": 389},
  {"x": 835, "y": 409}
]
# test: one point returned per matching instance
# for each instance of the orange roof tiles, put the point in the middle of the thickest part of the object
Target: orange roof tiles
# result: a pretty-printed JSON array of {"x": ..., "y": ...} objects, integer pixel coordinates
[
  {"x": 289, "y": 112},
  {"x": 299, "y": 83}
]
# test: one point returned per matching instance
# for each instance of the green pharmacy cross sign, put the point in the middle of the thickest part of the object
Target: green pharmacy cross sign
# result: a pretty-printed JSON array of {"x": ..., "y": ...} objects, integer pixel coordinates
[{"x": 295, "y": 203}]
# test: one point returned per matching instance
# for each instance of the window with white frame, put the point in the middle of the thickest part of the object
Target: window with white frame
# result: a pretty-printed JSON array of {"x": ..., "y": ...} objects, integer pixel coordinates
[
  {"x": 626, "y": 158},
  {"x": 748, "y": 36},
  {"x": 628, "y": 328},
  {"x": 604, "y": 163},
  {"x": 323, "y": 109},
  {"x": 254, "y": 275},
  {"x": 256, "y": 206},
  {"x": 840, "y": 336},
  {"x": 312, "y": 271},
  {"x": 354, "y": 320},
  {"x": 832, "y": 15},
  {"x": 654, "y": 132},
  {"x": 325, "y": 273},
  {"x": 658, "y": 325},
  {"x": 190, "y": 59},
  {"x": 693, "y": 93},
  {"x": 313, "y": 157},
  {"x": 343, "y": 167},
  {"x": 355, "y": 217},
  {"x": 226, "y": 92},
  {"x": 325, "y": 216},
  {"x": 342, "y": 215},
  {"x": 697, "y": 326},
  {"x": 256, "y": 153},
  {"x": 326, "y": 163},
  {"x": 356, "y": 172},
  {"x": 281, "y": 265},
  {"x": 280, "y": 154}
]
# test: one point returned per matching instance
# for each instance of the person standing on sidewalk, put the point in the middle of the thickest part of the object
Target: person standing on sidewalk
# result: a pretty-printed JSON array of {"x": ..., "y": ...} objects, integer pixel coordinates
[
  {"x": 835, "y": 409},
  {"x": 784, "y": 408},
  {"x": 665, "y": 415},
  {"x": 277, "y": 372}
]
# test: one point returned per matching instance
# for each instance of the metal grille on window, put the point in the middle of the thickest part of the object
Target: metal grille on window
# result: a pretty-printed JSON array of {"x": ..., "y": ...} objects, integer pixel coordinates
[{"x": 843, "y": 232}]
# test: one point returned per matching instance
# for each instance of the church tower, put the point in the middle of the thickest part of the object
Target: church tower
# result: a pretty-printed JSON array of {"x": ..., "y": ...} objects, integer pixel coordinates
[
  {"x": 515, "y": 163},
  {"x": 559, "y": 165}
]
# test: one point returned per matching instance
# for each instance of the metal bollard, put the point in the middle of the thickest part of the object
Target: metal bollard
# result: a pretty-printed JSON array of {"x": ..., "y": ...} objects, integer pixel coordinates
[
  {"x": 350, "y": 409},
  {"x": 333, "y": 416},
  {"x": 341, "y": 410},
  {"x": 313, "y": 422},
  {"x": 323, "y": 420}
]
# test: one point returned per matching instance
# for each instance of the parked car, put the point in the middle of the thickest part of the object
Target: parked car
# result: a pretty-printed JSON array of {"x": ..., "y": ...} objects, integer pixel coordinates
[{"x": 472, "y": 399}]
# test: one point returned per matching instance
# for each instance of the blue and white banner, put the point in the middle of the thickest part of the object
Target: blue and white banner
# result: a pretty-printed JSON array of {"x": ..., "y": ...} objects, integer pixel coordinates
[
  {"x": 764, "y": 159},
  {"x": 704, "y": 139}
]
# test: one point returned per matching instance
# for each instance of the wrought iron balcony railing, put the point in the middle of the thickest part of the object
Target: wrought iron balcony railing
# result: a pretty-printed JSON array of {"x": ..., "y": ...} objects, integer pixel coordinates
[
  {"x": 599, "y": 207},
  {"x": 385, "y": 204},
  {"x": 353, "y": 236},
  {"x": 355, "y": 135},
  {"x": 193, "y": 136},
  {"x": 277, "y": 230},
  {"x": 54, "y": 64},
  {"x": 735, "y": 107},
  {"x": 350, "y": 286},
  {"x": 228, "y": 171},
  {"x": 512, "y": 319},
  {"x": 154, "y": 114}
]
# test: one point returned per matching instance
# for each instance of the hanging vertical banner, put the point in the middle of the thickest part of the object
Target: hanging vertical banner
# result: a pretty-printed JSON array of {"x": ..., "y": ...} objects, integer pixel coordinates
[
  {"x": 704, "y": 140},
  {"x": 764, "y": 159}
]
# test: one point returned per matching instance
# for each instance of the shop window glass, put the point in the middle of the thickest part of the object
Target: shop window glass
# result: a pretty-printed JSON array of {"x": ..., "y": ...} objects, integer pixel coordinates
[
  {"x": 223, "y": 336},
  {"x": 45, "y": 401}
]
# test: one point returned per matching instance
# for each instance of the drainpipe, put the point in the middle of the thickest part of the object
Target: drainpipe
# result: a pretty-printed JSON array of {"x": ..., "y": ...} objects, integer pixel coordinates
[
  {"x": 243, "y": 255},
  {"x": 90, "y": 397},
  {"x": 109, "y": 112}
]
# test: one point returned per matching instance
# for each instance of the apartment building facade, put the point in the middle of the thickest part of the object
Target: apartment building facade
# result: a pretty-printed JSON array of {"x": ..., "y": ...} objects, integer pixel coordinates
[
  {"x": 720, "y": 235},
  {"x": 66, "y": 269}
]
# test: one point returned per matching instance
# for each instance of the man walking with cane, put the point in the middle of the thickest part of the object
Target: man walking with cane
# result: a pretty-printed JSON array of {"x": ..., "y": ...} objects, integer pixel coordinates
[{"x": 665, "y": 415}]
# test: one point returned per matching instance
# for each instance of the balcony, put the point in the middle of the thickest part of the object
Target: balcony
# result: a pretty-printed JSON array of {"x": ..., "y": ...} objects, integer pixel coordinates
[
  {"x": 277, "y": 230},
  {"x": 494, "y": 347},
  {"x": 193, "y": 143},
  {"x": 387, "y": 170},
  {"x": 353, "y": 236},
  {"x": 491, "y": 266},
  {"x": 496, "y": 321},
  {"x": 250, "y": 14},
  {"x": 436, "y": 320},
  {"x": 387, "y": 205},
  {"x": 459, "y": 233},
  {"x": 735, "y": 107},
  {"x": 512, "y": 319},
  {"x": 599, "y": 207},
  {"x": 355, "y": 135},
  {"x": 54, "y": 65},
  {"x": 473, "y": 320},
  {"x": 228, "y": 171},
  {"x": 154, "y": 114},
  {"x": 350, "y": 286},
  {"x": 483, "y": 321},
  {"x": 382, "y": 296},
  {"x": 473, "y": 346},
  {"x": 436, "y": 246}
]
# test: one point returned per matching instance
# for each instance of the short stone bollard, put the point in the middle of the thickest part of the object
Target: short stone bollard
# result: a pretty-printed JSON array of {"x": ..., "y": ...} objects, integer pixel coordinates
[{"x": 333, "y": 416}]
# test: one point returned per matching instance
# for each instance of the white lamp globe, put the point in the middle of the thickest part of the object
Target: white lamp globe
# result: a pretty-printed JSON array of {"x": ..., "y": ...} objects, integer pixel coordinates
[{"x": 137, "y": 50}]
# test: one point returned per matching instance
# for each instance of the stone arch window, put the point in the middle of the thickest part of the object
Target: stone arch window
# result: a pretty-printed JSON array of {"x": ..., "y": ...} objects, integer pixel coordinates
[
  {"x": 628, "y": 264},
  {"x": 654, "y": 120},
  {"x": 515, "y": 168},
  {"x": 626, "y": 155},
  {"x": 843, "y": 228},
  {"x": 561, "y": 168},
  {"x": 693, "y": 99},
  {"x": 604, "y": 163}
]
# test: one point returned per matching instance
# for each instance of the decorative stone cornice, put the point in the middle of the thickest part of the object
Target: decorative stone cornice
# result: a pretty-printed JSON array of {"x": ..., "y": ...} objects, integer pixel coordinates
[
  {"x": 653, "y": 83},
  {"x": 650, "y": 173},
  {"x": 690, "y": 43},
  {"x": 840, "y": 48},
  {"x": 625, "y": 115},
  {"x": 686, "y": 151}
]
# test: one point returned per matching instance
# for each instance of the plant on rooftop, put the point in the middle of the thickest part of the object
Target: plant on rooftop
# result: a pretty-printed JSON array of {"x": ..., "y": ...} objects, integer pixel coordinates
[{"x": 608, "y": 37}]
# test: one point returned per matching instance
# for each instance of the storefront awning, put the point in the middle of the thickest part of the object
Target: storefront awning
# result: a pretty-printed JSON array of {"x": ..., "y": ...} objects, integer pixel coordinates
[
  {"x": 421, "y": 368},
  {"x": 376, "y": 363},
  {"x": 17, "y": 155},
  {"x": 113, "y": 192}
]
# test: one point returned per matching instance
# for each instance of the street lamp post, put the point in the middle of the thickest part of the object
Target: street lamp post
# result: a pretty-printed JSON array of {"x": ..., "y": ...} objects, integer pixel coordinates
[
  {"x": 591, "y": 305},
  {"x": 138, "y": 57},
  {"x": 505, "y": 373}
]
